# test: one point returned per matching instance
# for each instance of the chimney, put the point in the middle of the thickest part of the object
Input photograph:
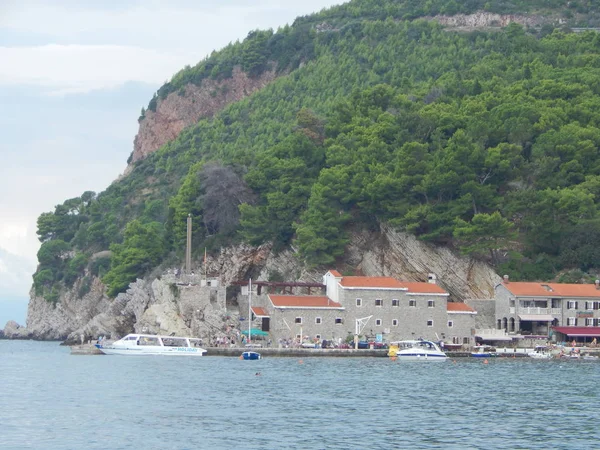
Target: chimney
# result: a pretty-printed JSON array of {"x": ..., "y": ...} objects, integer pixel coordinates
[
  {"x": 505, "y": 279},
  {"x": 431, "y": 278},
  {"x": 597, "y": 282}
]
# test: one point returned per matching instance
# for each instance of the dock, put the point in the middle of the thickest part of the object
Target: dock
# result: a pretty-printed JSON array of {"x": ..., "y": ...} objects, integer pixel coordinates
[{"x": 85, "y": 349}]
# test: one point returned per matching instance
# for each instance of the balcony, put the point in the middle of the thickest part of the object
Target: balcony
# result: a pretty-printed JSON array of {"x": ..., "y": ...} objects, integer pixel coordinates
[{"x": 536, "y": 311}]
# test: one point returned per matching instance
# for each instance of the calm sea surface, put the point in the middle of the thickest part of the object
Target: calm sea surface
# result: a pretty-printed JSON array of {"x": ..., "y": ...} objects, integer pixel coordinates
[{"x": 50, "y": 399}]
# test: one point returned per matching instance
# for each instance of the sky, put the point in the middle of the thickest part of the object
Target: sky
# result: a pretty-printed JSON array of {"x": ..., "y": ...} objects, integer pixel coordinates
[{"x": 74, "y": 76}]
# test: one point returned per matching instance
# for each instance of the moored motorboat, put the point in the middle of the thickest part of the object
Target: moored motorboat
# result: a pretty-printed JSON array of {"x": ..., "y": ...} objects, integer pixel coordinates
[
  {"x": 541, "y": 352},
  {"x": 416, "y": 350},
  {"x": 250, "y": 355},
  {"x": 152, "y": 344},
  {"x": 483, "y": 351}
]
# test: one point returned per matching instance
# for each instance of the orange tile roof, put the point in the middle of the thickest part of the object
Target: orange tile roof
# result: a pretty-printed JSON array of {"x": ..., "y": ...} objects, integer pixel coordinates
[
  {"x": 459, "y": 307},
  {"x": 303, "y": 301},
  {"x": 335, "y": 273},
  {"x": 260, "y": 311},
  {"x": 423, "y": 288},
  {"x": 371, "y": 282},
  {"x": 392, "y": 283},
  {"x": 536, "y": 289}
]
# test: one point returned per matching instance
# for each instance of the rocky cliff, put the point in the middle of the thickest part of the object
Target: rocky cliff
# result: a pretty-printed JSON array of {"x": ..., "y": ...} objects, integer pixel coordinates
[
  {"x": 488, "y": 20},
  {"x": 192, "y": 103},
  {"x": 182, "y": 305}
]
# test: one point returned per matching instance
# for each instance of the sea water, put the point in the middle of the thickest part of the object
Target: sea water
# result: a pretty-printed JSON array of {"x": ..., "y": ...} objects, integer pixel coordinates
[{"x": 50, "y": 399}]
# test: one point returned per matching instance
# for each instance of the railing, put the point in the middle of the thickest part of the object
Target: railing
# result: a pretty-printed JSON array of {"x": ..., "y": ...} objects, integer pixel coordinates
[{"x": 534, "y": 310}]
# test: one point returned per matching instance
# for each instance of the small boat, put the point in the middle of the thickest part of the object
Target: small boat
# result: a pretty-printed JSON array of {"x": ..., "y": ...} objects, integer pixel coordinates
[
  {"x": 571, "y": 355},
  {"x": 153, "y": 344},
  {"x": 250, "y": 355},
  {"x": 483, "y": 351},
  {"x": 589, "y": 357},
  {"x": 541, "y": 352},
  {"x": 416, "y": 350}
]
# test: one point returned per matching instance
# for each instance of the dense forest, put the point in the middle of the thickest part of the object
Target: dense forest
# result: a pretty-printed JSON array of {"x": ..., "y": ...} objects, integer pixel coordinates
[{"x": 486, "y": 141}]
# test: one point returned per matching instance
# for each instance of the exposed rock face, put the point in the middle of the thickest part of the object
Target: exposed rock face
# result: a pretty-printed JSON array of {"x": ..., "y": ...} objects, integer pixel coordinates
[
  {"x": 181, "y": 305},
  {"x": 13, "y": 330},
  {"x": 486, "y": 20},
  {"x": 180, "y": 110},
  {"x": 54, "y": 322}
]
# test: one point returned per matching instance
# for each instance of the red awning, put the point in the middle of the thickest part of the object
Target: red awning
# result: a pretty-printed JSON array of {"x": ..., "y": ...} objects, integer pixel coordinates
[{"x": 578, "y": 331}]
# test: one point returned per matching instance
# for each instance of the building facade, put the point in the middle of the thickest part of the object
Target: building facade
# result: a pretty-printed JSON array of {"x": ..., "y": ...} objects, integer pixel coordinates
[
  {"x": 376, "y": 308},
  {"x": 551, "y": 310}
]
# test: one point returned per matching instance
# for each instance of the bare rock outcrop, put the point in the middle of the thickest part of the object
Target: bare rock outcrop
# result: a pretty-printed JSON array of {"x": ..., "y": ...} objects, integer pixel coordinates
[
  {"x": 403, "y": 256},
  {"x": 486, "y": 20},
  {"x": 49, "y": 321},
  {"x": 182, "y": 109},
  {"x": 13, "y": 330}
]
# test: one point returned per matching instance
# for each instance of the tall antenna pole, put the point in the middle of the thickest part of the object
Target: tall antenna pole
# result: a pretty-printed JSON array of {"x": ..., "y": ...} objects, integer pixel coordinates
[
  {"x": 250, "y": 311},
  {"x": 188, "y": 247}
]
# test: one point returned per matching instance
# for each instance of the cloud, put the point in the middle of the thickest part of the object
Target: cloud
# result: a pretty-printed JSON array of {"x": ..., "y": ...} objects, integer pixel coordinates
[
  {"x": 68, "y": 69},
  {"x": 15, "y": 273},
  {"x": 73, "y": 48}
]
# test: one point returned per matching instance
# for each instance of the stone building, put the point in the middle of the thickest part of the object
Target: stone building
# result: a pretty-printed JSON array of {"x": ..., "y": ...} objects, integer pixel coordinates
[
  {"x": 549, "y": 310},
  {"x": 386, "y": 309}
]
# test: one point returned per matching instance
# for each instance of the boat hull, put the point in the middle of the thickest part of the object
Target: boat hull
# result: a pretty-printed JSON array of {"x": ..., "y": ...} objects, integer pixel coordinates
[
  {"x": 251, "y": 356},
  {"x": 420, "y": 357},
  {"x": 150, "y": 350}
]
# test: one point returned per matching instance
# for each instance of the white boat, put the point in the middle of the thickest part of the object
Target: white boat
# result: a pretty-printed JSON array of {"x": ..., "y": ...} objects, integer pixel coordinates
[
  {"x": 483, "y": 351},
  {"x": 541, "y": 352},
  {"x": 152, "y": 344},
  {"x": 416, "y": 350}
]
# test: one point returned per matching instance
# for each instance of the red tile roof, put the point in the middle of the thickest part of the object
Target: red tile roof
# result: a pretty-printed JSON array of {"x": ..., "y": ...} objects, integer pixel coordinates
[
  {"x": 371, "y": 282},
  {"x": 537, "y": 289},
  {"x": 335, "y": 273},
  {"x": 392, "y": 283},
  {"x": 260, "y": 311},
  {"x": 303, "y": 301},
  {"x": 459, "y": 307},
  {"x": 423, "y": 288}
]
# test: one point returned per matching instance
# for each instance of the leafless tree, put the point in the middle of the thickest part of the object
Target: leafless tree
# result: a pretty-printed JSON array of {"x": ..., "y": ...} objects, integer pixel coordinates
[{"x": 223, "y": 191}]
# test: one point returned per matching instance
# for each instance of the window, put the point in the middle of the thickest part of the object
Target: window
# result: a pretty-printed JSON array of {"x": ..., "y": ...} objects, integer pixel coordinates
[
  {"x": 318, "y": 320},
  {"x": 431, "y": 303},
  {"x": 450, "y": 324},
  {"x": 430, "y": 323},
  {"x": 378, "y": 322},
  {"x": 466, "y": 340},
  {"x": 589, "y": 306},
  {"x": 395, "y": 302},
  {"x": 378, "y": 302},
  {"x": 395, "y": 322},
  {"x": 412, "y": 302},
  {"x": 339, "y": 320},
  {"x": 298, "y": 320},
  {"x": 589, "y": 321},
  {"x": 571, "y": 304},
  {"x": 298, "y": 336},
  {"x": 359, "y": 302},
  {"x": 571, "y": 321}
]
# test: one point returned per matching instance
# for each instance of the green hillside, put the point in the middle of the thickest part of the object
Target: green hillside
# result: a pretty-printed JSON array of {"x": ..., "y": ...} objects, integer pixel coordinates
[{"x": 485, "y": 140}]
